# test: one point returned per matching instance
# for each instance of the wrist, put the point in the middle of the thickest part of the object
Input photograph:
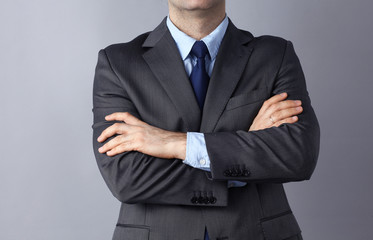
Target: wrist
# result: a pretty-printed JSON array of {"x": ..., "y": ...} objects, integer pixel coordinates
[{"x": 178, "y": 142}]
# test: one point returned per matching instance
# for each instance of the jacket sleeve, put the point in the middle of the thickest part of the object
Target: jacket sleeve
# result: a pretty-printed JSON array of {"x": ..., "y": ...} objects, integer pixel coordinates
[
  {"x": 277, "y": 154},
  {"x": 134, "y": 177}
]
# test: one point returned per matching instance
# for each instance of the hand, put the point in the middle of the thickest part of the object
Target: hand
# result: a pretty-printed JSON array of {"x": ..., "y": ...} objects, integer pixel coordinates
[
  {"x": 136, "y": 135},
  {"x": 276, "y": 111}
]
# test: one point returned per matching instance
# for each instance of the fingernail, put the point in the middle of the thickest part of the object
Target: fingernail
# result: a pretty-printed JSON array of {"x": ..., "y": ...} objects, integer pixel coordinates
[
  {"x": 100, "y": 149},
  {"x": 297, "y": 102},
  {"x": 299, "y": 108},
  {"x": 295, "y": 117},
  {"x": 283, "y": 94}
]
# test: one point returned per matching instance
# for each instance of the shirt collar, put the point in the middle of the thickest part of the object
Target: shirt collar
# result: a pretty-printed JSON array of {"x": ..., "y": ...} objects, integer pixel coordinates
[{"x": 185, "y": 42}]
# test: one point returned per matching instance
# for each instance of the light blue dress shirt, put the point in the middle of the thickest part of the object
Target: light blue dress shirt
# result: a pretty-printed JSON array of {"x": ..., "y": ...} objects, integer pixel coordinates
[{"x": 196, "y": 151}]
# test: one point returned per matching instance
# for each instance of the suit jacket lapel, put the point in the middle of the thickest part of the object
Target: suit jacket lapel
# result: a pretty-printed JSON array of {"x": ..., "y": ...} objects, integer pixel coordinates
[
  {"x": 164, "y": 60},
  {"x": 231, "y": 60}
]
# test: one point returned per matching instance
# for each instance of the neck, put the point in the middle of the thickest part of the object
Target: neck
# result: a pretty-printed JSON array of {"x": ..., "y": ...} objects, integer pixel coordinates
[{"x": 197, "y": 23}]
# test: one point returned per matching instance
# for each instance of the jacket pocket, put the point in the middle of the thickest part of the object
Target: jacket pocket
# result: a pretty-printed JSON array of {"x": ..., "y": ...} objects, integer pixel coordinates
[
  {"x": 247, "y": 98},
  {"x": 280, "y": 226},
  {"x": 131, "y": 232}
]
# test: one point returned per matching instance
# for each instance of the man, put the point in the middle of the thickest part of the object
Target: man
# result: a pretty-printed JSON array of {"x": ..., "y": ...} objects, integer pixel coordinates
[{"x": 196, "y": 126}]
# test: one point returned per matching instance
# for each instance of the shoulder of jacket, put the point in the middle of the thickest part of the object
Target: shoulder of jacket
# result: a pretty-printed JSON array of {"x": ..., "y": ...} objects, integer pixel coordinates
[
  {"x": 269, "y": 41},
  {"x": 273, "y": 47},
  {"x": 133, "y": 46}
]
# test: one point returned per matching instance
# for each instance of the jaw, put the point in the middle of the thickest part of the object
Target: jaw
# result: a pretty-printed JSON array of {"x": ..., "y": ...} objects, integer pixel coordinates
[
  {"x": 196, "y": 5},
  {"x": 196, "y": 18}
]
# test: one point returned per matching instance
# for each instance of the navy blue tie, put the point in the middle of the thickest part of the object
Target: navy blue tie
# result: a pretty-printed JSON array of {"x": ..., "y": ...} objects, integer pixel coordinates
[
  {"x": 200, "y": 80},
  {"x": 206, "y": 235},
  {"x": 199, "y": 77}
]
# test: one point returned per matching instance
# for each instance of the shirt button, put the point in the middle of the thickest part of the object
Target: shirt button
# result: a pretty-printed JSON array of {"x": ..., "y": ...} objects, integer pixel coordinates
[{"x": 202, "y": 161}]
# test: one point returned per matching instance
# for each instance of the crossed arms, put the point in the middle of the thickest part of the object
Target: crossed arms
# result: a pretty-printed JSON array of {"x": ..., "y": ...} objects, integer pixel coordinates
[{"x": 142, "y": 164}]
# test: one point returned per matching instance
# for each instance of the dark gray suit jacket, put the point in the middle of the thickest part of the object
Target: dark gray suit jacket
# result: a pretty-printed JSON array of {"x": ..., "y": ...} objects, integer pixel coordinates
[{"x": 165, "y": 199}]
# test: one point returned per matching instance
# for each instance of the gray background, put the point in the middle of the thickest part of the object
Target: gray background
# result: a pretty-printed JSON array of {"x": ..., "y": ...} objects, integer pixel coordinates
[{"x": 50, "y": 185}]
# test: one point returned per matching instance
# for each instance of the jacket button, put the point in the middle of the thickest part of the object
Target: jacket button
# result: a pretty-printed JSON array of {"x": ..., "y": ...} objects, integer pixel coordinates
[
  {"x": 213, "y": 200},
  {"x": 200, "y": 200},
  {"x": 227, "y": 173},
  {"x": 194, "y": 200},
  {"x": 246, "y": 173},
  {"x": 206, "y": 200},
  {"x": 234, "y": 173}
]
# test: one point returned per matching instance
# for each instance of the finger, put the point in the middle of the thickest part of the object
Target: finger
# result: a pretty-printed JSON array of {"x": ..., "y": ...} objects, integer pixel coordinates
[
  {"x": 117, "y": 116},
  {"x": 285, "y": 104},
  {"x": 292, "y": 119},
  {"x": 111, "y": 144},
  {"x": 124, "y": 116},
  {"x": 116, "y": 128},
  {"x": 285, "y": 113},
  {"x": 123, "y": 147},
  {"x": 281, "y": 106},
  {"x": 273, "y": 99}
]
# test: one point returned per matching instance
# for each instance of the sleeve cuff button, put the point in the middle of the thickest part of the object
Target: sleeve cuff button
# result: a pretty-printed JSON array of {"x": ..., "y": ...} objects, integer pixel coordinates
[{"x": 202, "y": 161}]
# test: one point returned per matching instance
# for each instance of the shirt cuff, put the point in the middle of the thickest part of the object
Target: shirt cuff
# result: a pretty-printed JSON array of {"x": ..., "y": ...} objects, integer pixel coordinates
[
  {"x": 197, "y": 156},
  {"x": 196, "y": 151}
]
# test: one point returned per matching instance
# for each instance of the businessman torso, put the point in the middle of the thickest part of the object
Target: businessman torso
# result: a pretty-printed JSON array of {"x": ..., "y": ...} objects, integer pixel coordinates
[{"x": 164, "y": 199}]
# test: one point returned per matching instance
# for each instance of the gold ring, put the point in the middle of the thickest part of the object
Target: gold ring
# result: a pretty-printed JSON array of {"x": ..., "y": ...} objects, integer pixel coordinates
[{"x": 270, "y": 118}]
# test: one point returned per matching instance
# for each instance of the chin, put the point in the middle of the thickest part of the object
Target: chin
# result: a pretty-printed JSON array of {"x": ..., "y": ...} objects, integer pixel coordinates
[{"x": 200, "y": 4}]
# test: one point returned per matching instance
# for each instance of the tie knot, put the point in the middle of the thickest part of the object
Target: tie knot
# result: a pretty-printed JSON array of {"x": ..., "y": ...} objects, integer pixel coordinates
[{"x": 199, "y": 49}]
